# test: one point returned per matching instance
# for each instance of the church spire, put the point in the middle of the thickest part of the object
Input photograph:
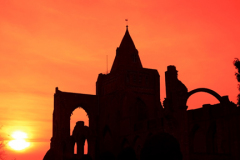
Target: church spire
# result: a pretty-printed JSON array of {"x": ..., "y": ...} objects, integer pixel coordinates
[
  {"x": 127, "y": 41},
  {"x": 126, "y": 54}
]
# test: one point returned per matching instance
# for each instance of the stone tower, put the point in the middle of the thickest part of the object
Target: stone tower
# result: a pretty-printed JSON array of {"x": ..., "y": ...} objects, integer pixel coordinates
[{"x": 129, "y": 98}]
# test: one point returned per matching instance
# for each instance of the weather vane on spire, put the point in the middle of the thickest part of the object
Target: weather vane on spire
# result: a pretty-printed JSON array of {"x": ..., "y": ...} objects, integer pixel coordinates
[{"x": 126, "y": 22}]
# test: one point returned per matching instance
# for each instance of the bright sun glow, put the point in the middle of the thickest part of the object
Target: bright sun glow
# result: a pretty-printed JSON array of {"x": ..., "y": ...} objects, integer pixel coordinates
[{"x": 19, "y": 142}]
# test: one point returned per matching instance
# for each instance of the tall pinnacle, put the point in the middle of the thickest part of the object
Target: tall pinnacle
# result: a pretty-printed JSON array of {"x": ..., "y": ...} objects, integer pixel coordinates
[
  {"x": 127, "y": 54},
  {"x": 127, "y": 41}
]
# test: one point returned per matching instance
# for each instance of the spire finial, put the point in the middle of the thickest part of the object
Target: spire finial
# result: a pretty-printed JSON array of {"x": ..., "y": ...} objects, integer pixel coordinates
[{"x": 126, "y": 23}]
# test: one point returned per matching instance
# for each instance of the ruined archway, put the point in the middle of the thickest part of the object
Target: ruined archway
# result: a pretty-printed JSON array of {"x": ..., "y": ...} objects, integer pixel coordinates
[
  {"x": 64, "y": 105},
  {"x": 161, "y": 146},
  {"x": 215, "y": 94},
  {"x": 210, "y": 95}
]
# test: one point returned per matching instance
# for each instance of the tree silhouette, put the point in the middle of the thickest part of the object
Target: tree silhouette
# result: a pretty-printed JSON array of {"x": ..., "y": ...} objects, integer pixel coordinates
[{"x": 236, "y": 63}]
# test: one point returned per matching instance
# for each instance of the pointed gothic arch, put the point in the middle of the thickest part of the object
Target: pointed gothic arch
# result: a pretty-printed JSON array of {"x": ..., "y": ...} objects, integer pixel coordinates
[
  {"x": 193, "y": 138},
  {"x": 78, "y": 114},
  {"x": 107, "y": 139},
  {"x": 211, "y": 138}
]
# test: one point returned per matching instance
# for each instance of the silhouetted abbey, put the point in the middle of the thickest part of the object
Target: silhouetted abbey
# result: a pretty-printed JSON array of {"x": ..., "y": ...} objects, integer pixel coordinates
[{"x": 127, "y": 120}]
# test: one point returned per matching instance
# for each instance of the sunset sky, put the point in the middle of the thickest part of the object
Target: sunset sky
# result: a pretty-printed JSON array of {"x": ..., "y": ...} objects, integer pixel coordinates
[{"x": 46, "y": 44}]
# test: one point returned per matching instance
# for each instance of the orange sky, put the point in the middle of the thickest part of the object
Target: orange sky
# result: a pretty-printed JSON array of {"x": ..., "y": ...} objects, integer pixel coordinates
[{"x": 46, "y": 44}]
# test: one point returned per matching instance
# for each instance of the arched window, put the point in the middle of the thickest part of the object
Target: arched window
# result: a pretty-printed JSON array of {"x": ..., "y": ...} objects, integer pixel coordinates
[{"x": 79, "y": 114}]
